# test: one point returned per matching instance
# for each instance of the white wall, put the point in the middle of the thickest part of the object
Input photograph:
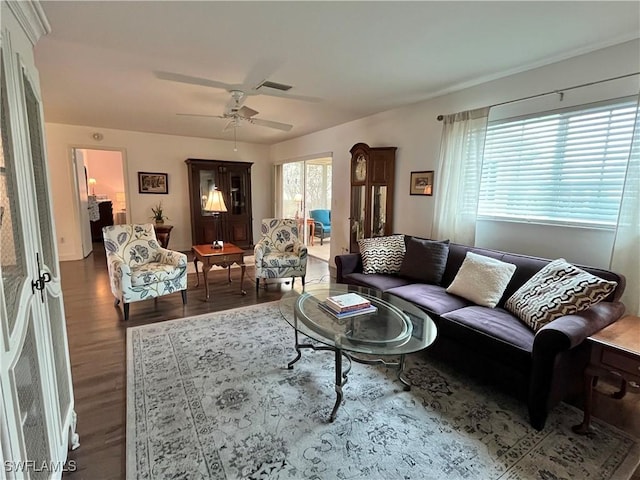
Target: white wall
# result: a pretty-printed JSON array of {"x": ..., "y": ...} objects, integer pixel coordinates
[
  {"x": 147, "y": 152},
  {"x": 416, "y": 132}
]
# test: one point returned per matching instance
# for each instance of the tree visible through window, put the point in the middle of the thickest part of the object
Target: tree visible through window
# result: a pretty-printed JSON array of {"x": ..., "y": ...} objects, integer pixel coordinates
[{"x": 318, "y": 186}]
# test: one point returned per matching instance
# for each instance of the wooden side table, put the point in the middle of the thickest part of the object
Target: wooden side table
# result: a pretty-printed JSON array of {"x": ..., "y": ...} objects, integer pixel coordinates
[
  {"x": 311, "y": 224},
  {"x": 163, "y": 233},
  {"x": 615, "y": 350},
  {"x": 221, "y": 257}
]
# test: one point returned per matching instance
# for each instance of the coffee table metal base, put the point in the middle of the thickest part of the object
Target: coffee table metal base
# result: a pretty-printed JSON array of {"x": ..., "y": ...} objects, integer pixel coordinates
[{"x": 341, "y": 376}]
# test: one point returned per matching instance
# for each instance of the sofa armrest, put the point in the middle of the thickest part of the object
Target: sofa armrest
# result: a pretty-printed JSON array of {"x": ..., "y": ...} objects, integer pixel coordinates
[
  {"x": 571, "y": 330},
  {"x": 562, "y": 340},
  {"x": 346, "y": 264}
]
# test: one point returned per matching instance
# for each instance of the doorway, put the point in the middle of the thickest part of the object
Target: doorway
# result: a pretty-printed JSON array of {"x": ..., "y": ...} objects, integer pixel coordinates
[
  {"x": 304, "y": 192},
  {"x": 101, "y": 192}
]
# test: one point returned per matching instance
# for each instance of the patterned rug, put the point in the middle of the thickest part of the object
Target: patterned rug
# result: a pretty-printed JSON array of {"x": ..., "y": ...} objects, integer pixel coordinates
[{"x": 211, "y": 397}]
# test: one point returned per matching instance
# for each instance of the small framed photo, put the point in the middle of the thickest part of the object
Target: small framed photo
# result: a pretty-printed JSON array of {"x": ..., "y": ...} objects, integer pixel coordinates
[
  {"x": 151, "y": 182},
  {"x": 421, "y": 183}
]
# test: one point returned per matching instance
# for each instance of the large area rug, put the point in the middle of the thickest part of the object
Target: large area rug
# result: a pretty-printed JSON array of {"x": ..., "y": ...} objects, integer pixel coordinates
[{"x": 211, "y": 397}]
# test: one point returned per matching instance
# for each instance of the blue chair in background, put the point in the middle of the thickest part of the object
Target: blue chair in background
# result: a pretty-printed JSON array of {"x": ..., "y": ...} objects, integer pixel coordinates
[{"x": 322, "y": 220}]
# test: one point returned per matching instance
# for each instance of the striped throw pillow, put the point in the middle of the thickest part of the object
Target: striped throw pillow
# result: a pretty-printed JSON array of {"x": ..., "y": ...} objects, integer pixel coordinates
[
  {"x": 558, "y": 289},
  {"x": 382, "y": 254}
]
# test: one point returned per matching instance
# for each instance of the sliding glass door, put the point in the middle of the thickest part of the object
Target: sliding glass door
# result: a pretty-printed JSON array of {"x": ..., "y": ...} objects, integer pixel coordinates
[{"x": 304, "y": 192}]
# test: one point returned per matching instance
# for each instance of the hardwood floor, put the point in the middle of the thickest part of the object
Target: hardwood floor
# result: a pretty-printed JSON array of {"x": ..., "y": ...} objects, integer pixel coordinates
[{"x": 97, "y": 344}]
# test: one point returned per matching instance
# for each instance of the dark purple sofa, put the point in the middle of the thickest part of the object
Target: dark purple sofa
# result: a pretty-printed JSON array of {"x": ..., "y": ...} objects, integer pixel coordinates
[{"x": 542, "y": 368}]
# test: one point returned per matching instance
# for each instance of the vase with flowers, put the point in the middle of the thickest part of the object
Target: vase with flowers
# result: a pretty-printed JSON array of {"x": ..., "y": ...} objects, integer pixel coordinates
[{"x": 158, "y": 214}]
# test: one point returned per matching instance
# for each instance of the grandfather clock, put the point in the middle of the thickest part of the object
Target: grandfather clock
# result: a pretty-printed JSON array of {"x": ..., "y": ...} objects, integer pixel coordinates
[{"x": 372, "y": 179}]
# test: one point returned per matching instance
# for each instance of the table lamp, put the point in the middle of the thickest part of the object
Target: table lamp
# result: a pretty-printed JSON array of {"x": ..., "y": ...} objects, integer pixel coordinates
[{"x": 215, "y": 205}]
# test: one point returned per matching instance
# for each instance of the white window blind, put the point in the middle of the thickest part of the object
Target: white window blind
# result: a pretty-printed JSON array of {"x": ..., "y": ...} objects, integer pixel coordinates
[{"x": 565, "y": 167}]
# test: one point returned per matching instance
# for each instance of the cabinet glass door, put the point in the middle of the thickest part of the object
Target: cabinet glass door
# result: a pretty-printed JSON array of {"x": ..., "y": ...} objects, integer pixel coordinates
[
  {"x": 378, "y": 210},
  {"x": 237, "y": 193},
  {"x": 12, "y": 245},
  {"x": 53, "y": 291},
  {"x": 207, "y": 185},
  {"x": 358, "y": 212}
]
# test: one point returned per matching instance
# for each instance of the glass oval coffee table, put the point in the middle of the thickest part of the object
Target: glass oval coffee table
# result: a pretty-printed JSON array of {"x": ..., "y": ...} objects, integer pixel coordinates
[{"x": 395, "y": 329}]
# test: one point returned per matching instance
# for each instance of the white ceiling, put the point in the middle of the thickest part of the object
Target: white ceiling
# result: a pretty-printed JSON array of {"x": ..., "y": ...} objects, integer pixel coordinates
[{"x": 96, "y": 65}]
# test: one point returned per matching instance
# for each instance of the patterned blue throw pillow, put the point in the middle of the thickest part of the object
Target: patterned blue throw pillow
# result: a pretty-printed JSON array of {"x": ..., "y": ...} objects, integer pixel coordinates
[{"x": 382, "y": 254}]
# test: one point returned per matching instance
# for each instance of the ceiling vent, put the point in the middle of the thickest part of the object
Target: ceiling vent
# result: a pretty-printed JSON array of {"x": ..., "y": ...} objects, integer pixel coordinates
[{"x": 274, "y": 85}]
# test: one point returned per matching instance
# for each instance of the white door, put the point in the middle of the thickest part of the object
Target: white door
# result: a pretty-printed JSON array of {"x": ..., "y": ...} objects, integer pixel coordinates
[
  {"x": 83, "y": 200},
  {"x": 37, "y": 419}
]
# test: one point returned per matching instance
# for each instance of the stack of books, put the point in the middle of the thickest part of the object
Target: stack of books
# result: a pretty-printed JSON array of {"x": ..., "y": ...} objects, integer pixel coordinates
[{"x": 347, "y": 305}]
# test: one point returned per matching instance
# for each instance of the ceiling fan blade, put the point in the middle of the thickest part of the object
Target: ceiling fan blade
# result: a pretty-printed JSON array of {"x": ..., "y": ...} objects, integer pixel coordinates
[
  {"x": 247, "y": 112},
  {"x": 278, "y": 93},
  {"x": 285, "y": 127},
  {"x": 261, "y": 71},
  {"x": 229, "y": 125},
  {"x": 205, "y": 82},
  {"x": 199, "y": 115}
]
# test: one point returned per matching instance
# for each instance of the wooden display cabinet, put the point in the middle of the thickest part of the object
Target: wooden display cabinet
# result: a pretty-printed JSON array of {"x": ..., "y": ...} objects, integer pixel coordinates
[{"x": 233, "y": 179}]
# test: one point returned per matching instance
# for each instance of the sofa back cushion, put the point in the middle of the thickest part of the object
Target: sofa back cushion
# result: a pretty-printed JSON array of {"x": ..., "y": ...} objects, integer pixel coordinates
[
  {"x": 424, "y": 260},
  {"x": 526, "y": 267}
]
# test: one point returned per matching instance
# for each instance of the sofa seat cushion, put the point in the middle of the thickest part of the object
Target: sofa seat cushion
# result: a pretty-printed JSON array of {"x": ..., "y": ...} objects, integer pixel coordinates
[
  {"x": 153, "y": 272},
  {"x": 432, "y": 298},
  {"x": 495, "y": 322},
  {"x": 378, "y": 281},
  {"x": 492, "y": 332}
]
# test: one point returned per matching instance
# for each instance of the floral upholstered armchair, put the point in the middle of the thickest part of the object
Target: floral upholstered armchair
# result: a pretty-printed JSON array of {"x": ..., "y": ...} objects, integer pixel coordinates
[
  {"x": 279, "y": 253},
  {"x": 139, "y": 269}
]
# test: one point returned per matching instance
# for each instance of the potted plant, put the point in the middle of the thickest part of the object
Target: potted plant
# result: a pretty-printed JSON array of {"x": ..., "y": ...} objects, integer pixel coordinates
[{"x": 158, "y": 214}]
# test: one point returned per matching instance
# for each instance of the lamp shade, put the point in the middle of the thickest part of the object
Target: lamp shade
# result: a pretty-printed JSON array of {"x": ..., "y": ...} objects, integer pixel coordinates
[{"x": 215, "y": 202}]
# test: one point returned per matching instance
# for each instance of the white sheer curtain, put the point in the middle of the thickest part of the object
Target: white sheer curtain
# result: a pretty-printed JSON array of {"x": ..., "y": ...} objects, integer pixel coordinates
[
  {"x": 458, "y": 176},
  {"x": 625, "y": 258}
]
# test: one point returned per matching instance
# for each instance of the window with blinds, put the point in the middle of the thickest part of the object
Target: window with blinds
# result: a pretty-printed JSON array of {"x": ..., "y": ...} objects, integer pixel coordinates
[{"x": 565, "y": 167}]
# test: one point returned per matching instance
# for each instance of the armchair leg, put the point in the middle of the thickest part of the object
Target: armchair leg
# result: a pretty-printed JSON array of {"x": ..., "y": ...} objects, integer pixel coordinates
[
  {"x": 257, "y": 285},
  {"x": 293, "y": 281},
  {"x": 116, "y": 302},
  {"x": 184, "y": 296},
  {"x": 303, "y": 282},
  {"x": 125, "y": 307}
]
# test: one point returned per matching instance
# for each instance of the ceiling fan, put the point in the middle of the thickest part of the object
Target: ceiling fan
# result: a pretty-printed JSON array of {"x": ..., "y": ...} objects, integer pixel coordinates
[
  {"x": 237, "y": 114},
  {"x": 254, "y": 84}
]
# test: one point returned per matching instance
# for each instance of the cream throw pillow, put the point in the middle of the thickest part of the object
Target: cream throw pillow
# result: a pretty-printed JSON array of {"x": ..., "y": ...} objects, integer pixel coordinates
[{"x": 482, "y": 279}]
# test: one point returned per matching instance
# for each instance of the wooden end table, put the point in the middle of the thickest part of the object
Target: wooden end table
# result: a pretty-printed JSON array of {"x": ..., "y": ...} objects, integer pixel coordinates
[
  {"x": 221, "y": 257},
  {"x": 163, "y": 233},
  {"x": 615, "y": 350},
  {"x": 312, "y": 228}
]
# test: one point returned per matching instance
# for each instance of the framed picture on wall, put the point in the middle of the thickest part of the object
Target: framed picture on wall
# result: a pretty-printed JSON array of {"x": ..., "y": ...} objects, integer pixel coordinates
[
  {"x": 421, "y": 183},
  {"x": 152, "y": 182}
]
